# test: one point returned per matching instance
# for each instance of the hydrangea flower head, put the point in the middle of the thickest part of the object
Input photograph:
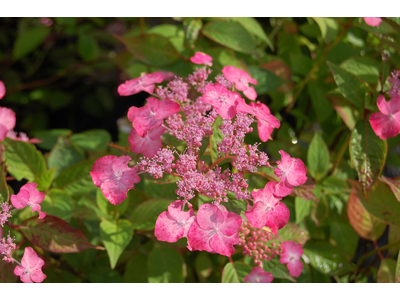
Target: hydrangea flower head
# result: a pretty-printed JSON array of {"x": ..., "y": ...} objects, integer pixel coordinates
[
  {"x": 291, "y": 172},
  {"x": 2, "y": 89},
  {"x": 241, "y": 80},
  {"x": 113, "y": 176},
  {"x": 7, "y": 121},
  {"x": 267, "y": 209},
  {"x": 30, "y": 270},
  {"x": 386, "y": 122},
  {"x": 291, "y": 253},
  {"x": 222, "y": 99},
  {"x": 147, "y": 145},
  {"x": 201, "y": 58},
  {"x": 29, "y": 196},
  {"x": 214, "y": 230},
  {"x": 174, "y": 224},
  {"x": 258, "y": 275},
  {"x": 374, "y": 22},
  {"x": 152, "y": 114},
  {"x": 144, "y": 83}
]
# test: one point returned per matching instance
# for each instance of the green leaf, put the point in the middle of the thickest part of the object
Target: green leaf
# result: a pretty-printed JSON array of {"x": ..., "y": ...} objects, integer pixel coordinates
[
  {"x": 116, "y": 235},
  {"x": 302, "y": 208},
  {"x": 7, "y": 272},
  {"x": 136, "y": 269},
  {"x": 329, "y": 28},
  {"x": 394, "y": 184},
  {"x": 64, "y": 154},
  {"x": 3, "y": 183},
  {"x": 230, "y": 34},
  {"x": 50, "y": 137},
  {"x": 192, "y": 27},
  {"x": 29, "y": 40},
  {"x": 277, "y": 269},
  {"x": 88, "y": 48},
  {"x": 367, "y": 153},
  {"x": 203, "y": 265},
  {"x": 387, "y": 271},
  {"x": 216, "y": 138},
  {"x": 165, "y": 265},
  {"x": 364, "y": 67},
  {"x": 144, "y": 216},
  {"x": 152, "y": 49},
  {"x": 397, "y": 274},
  {"x": 366, "y": 225},
  {"x": 58, "y": 203},
  {"x": 109, "y": 209},
  {"x": 351, "y": 86},
  {"x": 344, "y": 235},
  {"x": 394, "y": 239},
  {"x": 266, "y": 80},
  {"x": 319, "y": 100},
  {"x": 293, "y": 233},
  {"x": 23, "y": 160},
  {"x": 95, "y": 140},
  {"x": 54, "y": 235},
  {"x": 76, "y": 179},
  {"x": 327, "y": 259},
  {"x": 45, "y": 180},
  {"x": 235, "y": 273},
  {"x": 318, "y": 157}
]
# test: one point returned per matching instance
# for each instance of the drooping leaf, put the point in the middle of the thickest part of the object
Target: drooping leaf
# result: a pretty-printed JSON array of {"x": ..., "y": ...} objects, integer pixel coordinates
[
  {"x": 318, "y": 157},
  {"x": 58, "y": 203},
  {"x": 95, "y": 139},
  {"x": 54, "y": 235},
  {"x": 165, "y": 265},
  {"x": 144, "y": 216},
  {"x": 387, "y": 271},
  {"x": 367, "y": 153},
  {"x": 235, "y": 273},
  {"x": 116, "y": 235},
  {"x": 29, "y": 40}
]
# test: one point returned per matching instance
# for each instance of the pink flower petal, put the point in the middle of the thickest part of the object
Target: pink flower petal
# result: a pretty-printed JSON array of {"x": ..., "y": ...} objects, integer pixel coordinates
[
  {"x": 209, "y": 216},
  {"x": 386, "y": 123},
  {"x": 7, "y": 121},
  {"x": 223, "y": 100},
  {"x": 201, "y": 58},
  {"x": 258, "y": 275},
  {"x": 290, "y": 255},
  {"x": 31, "y": 267},
  {"x": 374, "y": 22},
  {"x": 145, "y": 83},
  {"x": 147, "y": 145},
  {"x": 29, "y": 196},
  {"x": 2, "y": 89},
  {"x": 241, "y": 80}
]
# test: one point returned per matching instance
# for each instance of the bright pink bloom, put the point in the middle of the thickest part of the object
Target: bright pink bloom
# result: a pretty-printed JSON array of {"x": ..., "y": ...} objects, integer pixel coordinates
[
  {"x": 241, "y": 80},
  {"x": 291, "y": 253},
  {"x": 174, "y": 224},
  {"x": 2, "y": 89},
  {"x": 214, "y": 230},
  {"x": 266, "y": 121},
  {"x": 29, "y": 196},
  {"x": 258, "y": 275},
  {"x": 30, "y": 269},
  {"x": 113, "y": 176},
  {"x": 386, "y": 123},
  {"x": 267, "y": 209},
  {"x": 148, "y": 145},
  {"x": 374, "y": 22},
  {"x": 222, "y": 99},
  {"x": 152, "y": 114},
  {"x": 7, "y": 121},
  {"x": 291, "y": 172},
  {"x": 201, "y": 58},
  {"x": 144, "y": 83}
]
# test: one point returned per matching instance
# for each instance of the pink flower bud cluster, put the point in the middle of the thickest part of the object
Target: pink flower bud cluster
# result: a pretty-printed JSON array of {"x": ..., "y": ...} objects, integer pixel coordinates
[
  {"x": 254, "y": 242},
  {"x": 4, "y": 213},
  {"x": 198, "y": 79},
  {"x": 6, "y": 247}
]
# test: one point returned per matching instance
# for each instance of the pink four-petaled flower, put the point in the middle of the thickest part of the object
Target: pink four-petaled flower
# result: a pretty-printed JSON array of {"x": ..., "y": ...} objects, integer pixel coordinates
[
  {"x": 151, "y": 115},
  {"x": 241, "y": 80},
  {"x": 174, "y": 224},
  {"x": 7, "y": 121},
  {"x": 290, "y": 255},
  {"x": 201, "y": 58},
  {"x": 113, "y": 176},
  {"x": 30, "y": 270},
  {"x": 258, "y": 275},
  {"x": 291, "y": 172},
  {"x": 386, "y": 123},
  {"x": 147, "y": 145},
  {"x": 374, "y": 22},
  {"x": 29, "y": 196},
  {"x": 214, "y": 230},
  {"x": 267, "y": 209},
  {"x": 144, "y": 83}
]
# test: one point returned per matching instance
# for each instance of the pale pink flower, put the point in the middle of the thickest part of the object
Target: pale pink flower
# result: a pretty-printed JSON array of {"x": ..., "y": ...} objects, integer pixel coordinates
[
  {"x": 374, "y": 22},
  {"x": 2, "y": 89},
  {"x": 223, "y": 100},
  {"x": 201, "y": 58},
  {"x": 266, "y": 121},
  {"x": 291, "y": 172},
  {"x": 258, "y": 275},
  {"x": 4, "y": 213},
  {"x": 174, "y": 224},
  {"x": 7, "y": 121},
  {"x": 152, "y": 114},
  {"x": 291, "y": 253},
  {"x": 147, "y": 145},
  {"x": 7, "y": 246},
  {"x": 22, "y": 137},
  {"x": 29, "y": 196},
  {"x": 267, "y": 209},
  {"x": 113, "y": 176},
  {"x": 386, "y": 123},
  {"x": 30, "y": 270},
  {"x": 144, "y": 83},
  {"x": 241, "y": 80},
  {"x": 214, "y": 230}
]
